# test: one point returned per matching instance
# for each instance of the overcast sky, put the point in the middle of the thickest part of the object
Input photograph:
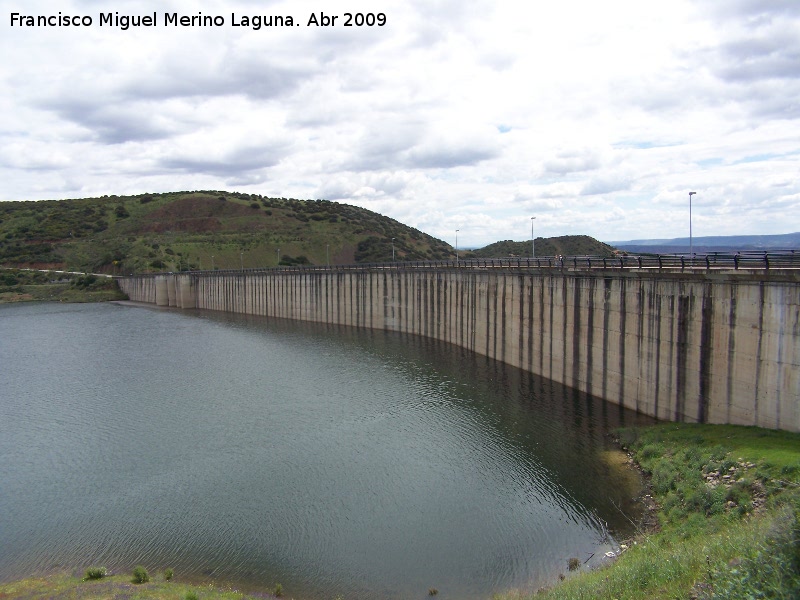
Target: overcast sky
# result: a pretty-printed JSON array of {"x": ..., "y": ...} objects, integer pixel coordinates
[{"x": 596, "y": 118}]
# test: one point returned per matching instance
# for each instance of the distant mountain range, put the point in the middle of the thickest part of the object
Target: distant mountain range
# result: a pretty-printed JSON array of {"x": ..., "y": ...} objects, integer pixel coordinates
[{"x": 721, "y": 243}]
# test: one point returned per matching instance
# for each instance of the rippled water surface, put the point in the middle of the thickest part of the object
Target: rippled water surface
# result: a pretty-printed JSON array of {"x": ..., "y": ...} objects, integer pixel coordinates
[{"x": 334, "y": 461}]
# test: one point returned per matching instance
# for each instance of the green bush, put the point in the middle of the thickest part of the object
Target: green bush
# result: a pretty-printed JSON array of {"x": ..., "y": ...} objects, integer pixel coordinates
[
  {"x": 140, "y": 575},
  {"x": 95, "y": 573},
  {"x": 693, "y": 457},
  {"x": 741, "y": 494},
  {"x": 278, "y": 590},
  {"x": 192, "y": 596},
  {"x": 85, "y": 281},
  {"x": 651, "y": 451},
  {"x": 573, "y": 563},
  {"x": 704, "y": 500},
  {"x": 666, "y": 477},
  {"x": 168, "y": 573},
  {"x": 289, "y": 261}
]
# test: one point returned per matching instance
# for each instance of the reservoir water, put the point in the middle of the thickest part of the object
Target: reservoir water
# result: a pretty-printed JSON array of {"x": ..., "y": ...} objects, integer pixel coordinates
[{"x": 332, "y": 460}]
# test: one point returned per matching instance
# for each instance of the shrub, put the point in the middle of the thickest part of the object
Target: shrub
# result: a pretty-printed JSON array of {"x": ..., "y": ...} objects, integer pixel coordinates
[
  {"x": 651, "y": 451},
  {"x": 278, "y": 590},
  {"x": 289, "y": 261},
  {"x": 192, "y": 596},
  {"x": 95, "y": 573},
  {"x": 140, "y": 575},
  {"x": 85, "y": 281},
  {"x": 704, "y": 500},
  {"x": 573, "y": 563},
  {"x": 168, "y": 573},
  {"x": 740, "y": 493},
  {"x": 692, "y": 457},
  {"x": 665, "y": 477}
]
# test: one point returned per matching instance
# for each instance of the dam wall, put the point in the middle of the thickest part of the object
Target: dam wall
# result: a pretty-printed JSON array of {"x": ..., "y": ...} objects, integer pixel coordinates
[{"x": 691, "y": 346}]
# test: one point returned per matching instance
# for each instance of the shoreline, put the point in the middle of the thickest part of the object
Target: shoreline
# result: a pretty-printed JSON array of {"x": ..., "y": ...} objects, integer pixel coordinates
[{"x": 19, "y": 285}]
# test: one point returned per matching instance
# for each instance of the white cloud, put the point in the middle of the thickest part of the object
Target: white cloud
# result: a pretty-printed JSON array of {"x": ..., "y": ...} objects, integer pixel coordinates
[{"x": 596, "y": 118}]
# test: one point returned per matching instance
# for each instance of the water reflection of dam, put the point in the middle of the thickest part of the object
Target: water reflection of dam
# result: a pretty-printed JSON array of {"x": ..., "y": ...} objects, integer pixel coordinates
[{"x": 718, "y": 347}]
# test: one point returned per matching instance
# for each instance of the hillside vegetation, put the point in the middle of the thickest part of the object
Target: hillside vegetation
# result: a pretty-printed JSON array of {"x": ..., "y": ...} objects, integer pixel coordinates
[
  {"x": 193, "y": 230},
  {"x": 27, "y": 286},
  {"x": 566, "y": 245},
  {"x": 725, "y": 503},
  {"x": 181, "y": 231}
]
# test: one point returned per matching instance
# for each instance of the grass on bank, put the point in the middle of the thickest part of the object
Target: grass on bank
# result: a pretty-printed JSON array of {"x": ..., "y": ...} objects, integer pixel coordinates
[
  {"x": 64, "y": 586},
  {"x": 728, "y": 519}
]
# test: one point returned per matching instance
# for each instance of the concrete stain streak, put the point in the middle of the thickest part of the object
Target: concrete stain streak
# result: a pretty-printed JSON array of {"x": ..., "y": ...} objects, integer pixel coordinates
[
  {"x": 706, "y": 325},
  {"x": 688, "y": 347}
]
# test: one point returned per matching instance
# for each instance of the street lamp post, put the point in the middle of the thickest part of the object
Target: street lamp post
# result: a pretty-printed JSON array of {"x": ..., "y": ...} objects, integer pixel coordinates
[
  {"x": 457, "y": 230},
  {"x": 691, "y": 245},
  {"x": 392, "y": 249},
  {"x": 533, "y": 248}
]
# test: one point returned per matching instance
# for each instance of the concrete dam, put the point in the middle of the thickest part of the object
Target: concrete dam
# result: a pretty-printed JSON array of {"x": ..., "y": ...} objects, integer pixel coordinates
[{"x": 711, "y": 346}]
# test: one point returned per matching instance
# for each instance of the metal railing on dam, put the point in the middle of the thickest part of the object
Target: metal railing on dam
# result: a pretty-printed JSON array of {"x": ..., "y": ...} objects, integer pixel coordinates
[
  {"x": 745, "y": 261},
  {"x": 714, "y": 340}
]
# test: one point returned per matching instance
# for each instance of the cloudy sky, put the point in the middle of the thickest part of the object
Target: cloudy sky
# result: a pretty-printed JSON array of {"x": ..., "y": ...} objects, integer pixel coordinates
[{"x": 594, "y": 117}]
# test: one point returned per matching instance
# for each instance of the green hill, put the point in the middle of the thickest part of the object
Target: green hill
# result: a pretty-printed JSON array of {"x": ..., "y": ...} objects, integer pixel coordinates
[
  {"x": 566, "y": 245},
  {"x": 193, "y": 230},
  {"x": 202, "y": 230}
]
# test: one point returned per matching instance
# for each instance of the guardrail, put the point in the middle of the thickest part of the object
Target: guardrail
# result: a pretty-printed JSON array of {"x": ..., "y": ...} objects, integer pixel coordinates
[{"x": 759, "y": 261}]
